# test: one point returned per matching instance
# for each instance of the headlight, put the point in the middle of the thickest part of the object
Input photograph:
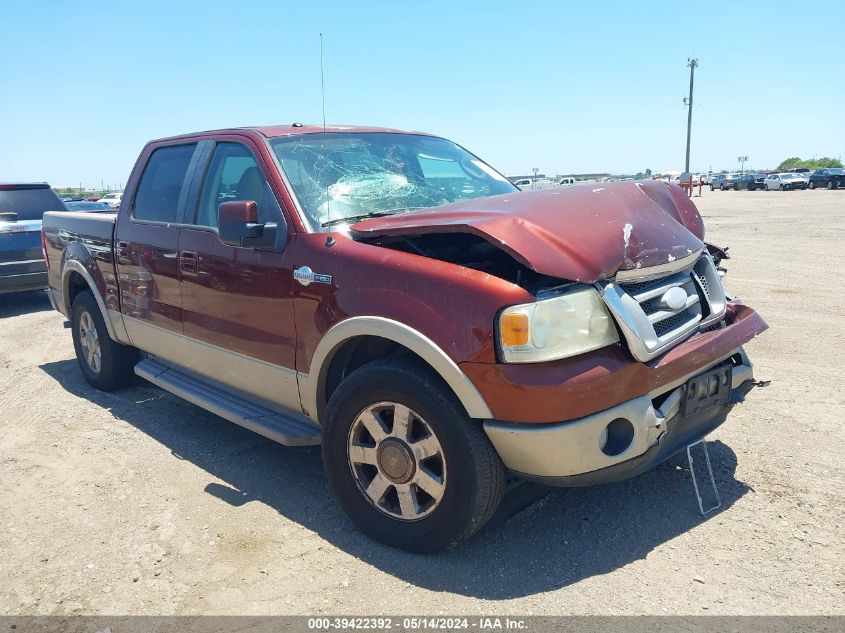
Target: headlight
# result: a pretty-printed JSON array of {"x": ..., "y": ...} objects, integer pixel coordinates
[{"x": 554, "y": 328}]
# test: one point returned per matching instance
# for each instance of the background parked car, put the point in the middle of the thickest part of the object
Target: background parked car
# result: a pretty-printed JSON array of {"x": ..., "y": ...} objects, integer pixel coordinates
[
  {"x": 749, "y": 182},
  {"x": 21, "y": 261},
  {"x": 112, "y": 199},
  {"x": 723, "y": 181},
  {"x": 830, "y": 177},
  {"x": 784, "y": 181},
  {"x": 84, "y": 205}
]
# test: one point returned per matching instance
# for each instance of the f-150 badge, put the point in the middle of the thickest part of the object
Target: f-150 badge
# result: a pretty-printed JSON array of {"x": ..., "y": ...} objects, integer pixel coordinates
[{"x": 305, "y": 276}]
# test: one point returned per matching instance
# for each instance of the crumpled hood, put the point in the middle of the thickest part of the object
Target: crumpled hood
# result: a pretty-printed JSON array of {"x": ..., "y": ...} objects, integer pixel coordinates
[{"x": 581, "y": 233}]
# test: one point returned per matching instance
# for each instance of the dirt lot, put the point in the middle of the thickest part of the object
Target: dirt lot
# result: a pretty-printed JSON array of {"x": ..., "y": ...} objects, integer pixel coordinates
[{"x": 136, "y": 502}]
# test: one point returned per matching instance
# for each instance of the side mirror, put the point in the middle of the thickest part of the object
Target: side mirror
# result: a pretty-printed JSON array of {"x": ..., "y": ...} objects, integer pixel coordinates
[{"x": 238, "y": 224}]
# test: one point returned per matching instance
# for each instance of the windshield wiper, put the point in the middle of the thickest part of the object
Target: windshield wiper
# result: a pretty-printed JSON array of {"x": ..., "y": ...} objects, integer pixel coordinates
[{"x": 365, "y": 216}]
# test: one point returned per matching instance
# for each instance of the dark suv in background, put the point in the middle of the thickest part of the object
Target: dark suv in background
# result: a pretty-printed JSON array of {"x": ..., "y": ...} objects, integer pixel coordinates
[
  {"x": 830, "y": 177},
  {"x": 21, "y": 261},
  {"x": 750, "y": 182}
]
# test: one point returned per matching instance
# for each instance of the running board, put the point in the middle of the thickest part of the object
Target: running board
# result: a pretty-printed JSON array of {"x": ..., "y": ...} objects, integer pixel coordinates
[{"x": 284, "y": 429}]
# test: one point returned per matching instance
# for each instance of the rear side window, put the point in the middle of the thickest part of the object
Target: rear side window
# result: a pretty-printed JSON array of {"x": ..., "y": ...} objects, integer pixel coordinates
[
  {"x": 161, "y": 183},
  {"x": 31, "y": 203}
]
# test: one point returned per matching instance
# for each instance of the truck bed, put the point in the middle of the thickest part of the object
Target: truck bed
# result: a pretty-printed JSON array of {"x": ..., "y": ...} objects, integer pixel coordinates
[
  {"x": 86, "y": 238},
  {"x": 82, "y": 223}
]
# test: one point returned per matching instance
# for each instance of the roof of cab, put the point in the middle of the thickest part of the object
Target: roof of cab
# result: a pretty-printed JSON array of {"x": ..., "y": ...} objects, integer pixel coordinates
[
  {"x": 295, "y": 129},
  {"x": 7, "y": 186}
]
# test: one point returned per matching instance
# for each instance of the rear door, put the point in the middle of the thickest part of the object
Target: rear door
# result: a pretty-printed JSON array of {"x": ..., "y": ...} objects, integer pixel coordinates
[
  {"x": 147, "y": 249},
  {"x": 237, "y": 301}
]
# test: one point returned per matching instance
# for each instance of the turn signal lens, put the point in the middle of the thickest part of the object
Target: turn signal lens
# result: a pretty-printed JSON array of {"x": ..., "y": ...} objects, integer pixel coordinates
[{"x": 514, "y": 329}]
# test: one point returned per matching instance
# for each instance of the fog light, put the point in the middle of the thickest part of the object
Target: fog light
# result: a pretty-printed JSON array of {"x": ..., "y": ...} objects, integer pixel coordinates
[{"x": 616, "y": 437}]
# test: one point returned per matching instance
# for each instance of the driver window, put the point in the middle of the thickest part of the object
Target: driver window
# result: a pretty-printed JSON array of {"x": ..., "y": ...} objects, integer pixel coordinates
[{"x": 234, "y": 174}]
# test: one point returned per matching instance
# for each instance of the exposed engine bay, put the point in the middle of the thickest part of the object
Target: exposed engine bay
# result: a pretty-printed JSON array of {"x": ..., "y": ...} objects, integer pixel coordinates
[{"x": 471, "y": 251}]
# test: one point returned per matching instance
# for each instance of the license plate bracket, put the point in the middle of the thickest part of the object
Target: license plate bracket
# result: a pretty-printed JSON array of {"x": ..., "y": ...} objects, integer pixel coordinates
[{"x": 710, "y": 389}]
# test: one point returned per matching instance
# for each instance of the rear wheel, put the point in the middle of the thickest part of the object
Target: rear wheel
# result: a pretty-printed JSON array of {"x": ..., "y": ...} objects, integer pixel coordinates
[
  {"x": 721, "y": 187},
  {"x": 750, "y": 186},
  {"x": 105, "y": 363},
  {"x": 782, "y": 188},
  {"x": 404, "y": 460},
  {"x": 766, "y": 187},
  {"x": 831, "y": 184}
]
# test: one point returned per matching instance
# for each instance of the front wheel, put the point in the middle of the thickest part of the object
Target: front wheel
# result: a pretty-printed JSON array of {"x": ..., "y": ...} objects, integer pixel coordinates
[
  {"x": 766, "y": 187},
  {"x": 812, "y": 185},
  {"x": 831, "y": 185},
  {"x": 105, "y": 363},
  {"x": 750, "y": 186},
  {"x": 404, "y": 460},
  {"x": 712, "y": 188},
  {"x": 782, "y": 188},
  {"x": 721, "y": 187}
]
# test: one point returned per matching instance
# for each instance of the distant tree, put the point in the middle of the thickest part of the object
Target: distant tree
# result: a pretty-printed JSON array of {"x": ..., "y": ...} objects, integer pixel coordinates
[
  {"x": 812, "y": 163},
  {"x": 790, "y": 163}
]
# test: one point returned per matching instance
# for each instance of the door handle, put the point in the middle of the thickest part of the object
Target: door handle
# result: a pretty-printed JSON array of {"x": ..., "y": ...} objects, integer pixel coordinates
[
  {"x": 188, "y": 262},
  {"x": 122, "y": 252}
]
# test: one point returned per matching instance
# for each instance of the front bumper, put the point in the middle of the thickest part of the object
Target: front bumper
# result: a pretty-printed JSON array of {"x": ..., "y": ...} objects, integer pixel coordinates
[{"x": 570, "y": 453}]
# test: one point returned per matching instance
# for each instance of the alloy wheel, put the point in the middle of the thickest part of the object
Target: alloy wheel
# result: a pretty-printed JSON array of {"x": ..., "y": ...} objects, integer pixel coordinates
[
  {"x": 89, "y": 341},
  {"x": 397, "y": 461}
]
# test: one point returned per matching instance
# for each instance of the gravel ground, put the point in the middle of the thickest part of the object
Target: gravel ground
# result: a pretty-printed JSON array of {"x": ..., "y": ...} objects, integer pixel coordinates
[{"x": 136, "y": 502}]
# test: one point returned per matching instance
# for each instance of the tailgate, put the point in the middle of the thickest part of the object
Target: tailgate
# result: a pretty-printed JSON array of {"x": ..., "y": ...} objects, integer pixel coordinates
[{"x": 20, "y": 247}]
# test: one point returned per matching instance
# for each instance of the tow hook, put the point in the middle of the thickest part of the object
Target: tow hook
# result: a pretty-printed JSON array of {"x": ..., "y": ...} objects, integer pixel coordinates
[{"x": 761, "y": 383}]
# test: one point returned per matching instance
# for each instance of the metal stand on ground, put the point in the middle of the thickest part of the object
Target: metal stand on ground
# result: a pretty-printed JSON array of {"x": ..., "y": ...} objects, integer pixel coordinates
[{"x": 718, "y": 505}]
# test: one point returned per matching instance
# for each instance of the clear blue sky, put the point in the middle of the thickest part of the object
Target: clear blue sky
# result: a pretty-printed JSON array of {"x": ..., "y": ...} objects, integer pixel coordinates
[{"x": 565, "y": 87}]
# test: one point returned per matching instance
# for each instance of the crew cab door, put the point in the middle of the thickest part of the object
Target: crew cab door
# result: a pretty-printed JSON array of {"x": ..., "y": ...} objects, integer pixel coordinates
[
  {"x": 146, "y": 250},
  {"x": 237, "y": 301}
]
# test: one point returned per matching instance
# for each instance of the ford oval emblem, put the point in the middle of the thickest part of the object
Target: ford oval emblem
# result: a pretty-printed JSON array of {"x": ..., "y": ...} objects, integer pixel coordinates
[{"x": 674, "y": 298}]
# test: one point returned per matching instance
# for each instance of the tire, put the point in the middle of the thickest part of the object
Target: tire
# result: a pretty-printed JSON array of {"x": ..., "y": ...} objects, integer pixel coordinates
[
  {"x": 766, "y": 187},
  {"x": 750, "y": 186},
  {"x": 712, "y": 188},
  {"x": 782, "y": 188},
  {"x": 721, "y": 187},
  {"x": 831, "y": 185},
  {"x": 468, "y": 470},
  {"x": 106, "y": 364},
  {"x": 812, "y": 185},
  {"x": 736, "y": 186}
]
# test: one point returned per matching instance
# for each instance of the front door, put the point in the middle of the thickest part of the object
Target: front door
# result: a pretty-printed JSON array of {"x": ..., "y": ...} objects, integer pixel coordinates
[{"x": 237, "y": 301}]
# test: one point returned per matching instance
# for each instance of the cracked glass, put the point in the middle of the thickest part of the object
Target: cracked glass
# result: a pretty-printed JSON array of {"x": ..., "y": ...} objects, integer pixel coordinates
[{"x": 342, "y": 177}]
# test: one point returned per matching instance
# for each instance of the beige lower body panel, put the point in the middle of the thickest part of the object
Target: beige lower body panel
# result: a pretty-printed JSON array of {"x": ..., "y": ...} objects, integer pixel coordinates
[
  {"x": 267, "y": 381},
  {"x": 574, "y": 447}
]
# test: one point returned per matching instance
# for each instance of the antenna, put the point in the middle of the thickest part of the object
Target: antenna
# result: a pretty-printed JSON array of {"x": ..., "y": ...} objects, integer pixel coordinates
[
  {"x": 322, "y": 83},
  {"x": 323, "y": 92}
]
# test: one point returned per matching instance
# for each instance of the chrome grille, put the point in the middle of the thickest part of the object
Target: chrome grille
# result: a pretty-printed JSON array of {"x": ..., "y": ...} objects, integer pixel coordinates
[{"x": 649, "y": 324}]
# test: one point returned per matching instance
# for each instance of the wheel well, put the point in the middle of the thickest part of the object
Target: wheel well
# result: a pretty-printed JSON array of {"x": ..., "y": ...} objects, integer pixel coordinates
[
  {"x": 76, "y": 284},
  {"x": 354, "y": 353}
]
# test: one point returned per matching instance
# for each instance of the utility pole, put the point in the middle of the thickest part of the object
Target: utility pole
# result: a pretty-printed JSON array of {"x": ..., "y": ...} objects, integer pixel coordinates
[{"x": 692, "y": 64}]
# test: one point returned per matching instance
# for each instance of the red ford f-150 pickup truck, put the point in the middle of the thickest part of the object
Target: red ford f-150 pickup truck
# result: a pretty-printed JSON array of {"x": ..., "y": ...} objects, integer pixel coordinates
[{"x": 390, "y": 296}]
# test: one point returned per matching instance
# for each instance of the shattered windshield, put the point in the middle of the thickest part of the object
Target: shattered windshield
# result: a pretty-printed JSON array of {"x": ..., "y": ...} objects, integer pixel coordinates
[{"x": 346, "y": 176}]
